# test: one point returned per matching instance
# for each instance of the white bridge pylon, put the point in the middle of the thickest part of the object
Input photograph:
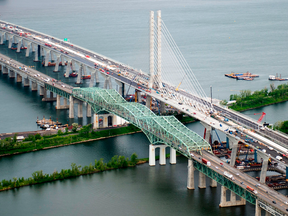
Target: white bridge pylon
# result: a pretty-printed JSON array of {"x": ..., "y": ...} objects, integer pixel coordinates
[{"x": 170, "y": 71}]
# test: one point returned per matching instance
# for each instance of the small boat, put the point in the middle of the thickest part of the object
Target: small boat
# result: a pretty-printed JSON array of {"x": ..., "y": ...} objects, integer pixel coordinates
[
  {"x": 23, "y": 47},
  {"x": 276, "y": 78},
  {"x": 86, "y": 76},
  {"x": 72, "y": 74}
]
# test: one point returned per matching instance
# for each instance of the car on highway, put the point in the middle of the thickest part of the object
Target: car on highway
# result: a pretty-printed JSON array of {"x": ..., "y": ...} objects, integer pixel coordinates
[
  {"x": 63, "y": 86},
  {"x": 273, "y": 202}
]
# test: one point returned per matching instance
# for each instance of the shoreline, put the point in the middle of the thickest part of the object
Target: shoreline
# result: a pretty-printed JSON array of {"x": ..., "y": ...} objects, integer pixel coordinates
[
  {"x": 259, "y": 106},
  {"x": 79, "y": 142}
]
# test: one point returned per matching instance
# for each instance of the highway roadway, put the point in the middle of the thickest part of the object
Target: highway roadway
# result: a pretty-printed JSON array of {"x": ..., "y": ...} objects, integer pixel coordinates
[{"x": 243, "y": 180}]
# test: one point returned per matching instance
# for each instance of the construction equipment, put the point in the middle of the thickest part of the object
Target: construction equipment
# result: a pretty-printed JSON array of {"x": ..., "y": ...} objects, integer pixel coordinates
[
  {"x": 177, "y": 89},
  {"x": 261, "y": 117}
]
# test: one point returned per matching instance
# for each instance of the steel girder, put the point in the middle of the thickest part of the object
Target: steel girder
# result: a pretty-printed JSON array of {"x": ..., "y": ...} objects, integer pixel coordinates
[
  {"x": 158, "y": 129},
  {"x": 242, "y": 192},
  {"x": 57, "y": 91}
]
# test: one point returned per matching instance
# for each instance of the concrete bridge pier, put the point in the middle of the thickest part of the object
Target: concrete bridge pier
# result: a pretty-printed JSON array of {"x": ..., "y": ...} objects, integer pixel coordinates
[
  {"x": 47, "y": 57},
  {"x": 28, "y": 45},
  {"x": 121, "y": 89},
  {"x": 19, "y": 44},
  {"x": 42, "y": 91},
  {"x": 71, "y": 107},
  {"x": 34, "y": 86},
  {"x": 162, "y": 156},
  {"x": 107, "y": 82},
  {"x": 62, "y": 60},
  {"x": 80, "y": 109},
  {"x": 36, "y": 50},
  {"x": 207, "y": 132},
  {"x": 2, "y": 37},
  {"x": 79, "y": 75},
  {"x": 73, "y": 65},
  {"x": 264, "y": 166},
  {"x": 58, "y": 103},
  {"x": 26, "y": 82},
  {"x": 233, "y": 144},
  {"x": 19, "y": 78},
  {"x": 88, "y": 110},
  {"x": 232, "y": 202},
  {"x": 190, "y": 178},
  {"x": 84, "y": 70},
  {"x": 10, "y": 38},
  {"x": 138, "y": 98},
  {"x": 162, "y": 107},
  {"x": 11, "y": 74},
  {"x": 148, "y": 101},
  {"x": 51, "y": 98},
  {"x": 258, "y": 210},
  {"x": 53, "y": 56},
  {"x": 4, "y": 70},
  {"x": 67, "y": 68},
  {"x": 56, "y": 69},
  {"x": 202, "y": 180}
]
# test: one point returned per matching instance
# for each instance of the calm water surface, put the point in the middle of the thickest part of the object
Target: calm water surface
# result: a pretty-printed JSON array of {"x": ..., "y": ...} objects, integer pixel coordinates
[{"x": 216, "y": 37}]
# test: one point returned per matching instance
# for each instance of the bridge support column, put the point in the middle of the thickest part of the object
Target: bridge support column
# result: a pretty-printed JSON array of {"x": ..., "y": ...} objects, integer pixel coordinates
[
  {"x": 2, "y": 38},
  {"x": 47, "y": 58},
  {"x": 19, "y": 78},
  {"x": 71, "y": 107},
  {"x": 4, "y": 70},
  {"x": 233, "y": 144},
  {"x": 26, "y": 82},
  {"x": 73, "y": 65},
  {"x": 257, "y": 209},
  {"x": 42, "y": 91},
  {"x": 79, "y": 74},
  {"x": 11, "y": 74},
  {"x": 10, "y": 38},
  {"x": 264, "y": 166},
  {"x": 172, "y": 156},
  {"x": 80, "y": 109},
  {"x": 138, "y": 98},
  {"x": 162, "y": 155},
  {"x": 95, "y": 121},
  {"x": 148, "y": 101},
  {"x": 207, "y": 132},
  {"x": 58, "y": 101},
  {"x": 84, "y": 70},
  {"x": 19, "y": 45},
  {"x": 67, "y": 69},
  {"x": 36, "y": 58},
  {"x": 121, "y": 89},
  {"x": 51, "y": 98},
  {"x": 267, "y": 213},
  {"x": 28, "y": 49},
  {"x": 152, "y": 161},
  {"x": 56, "y": 69},
  {"x": 88, "y": 110},
  {"x": 62, "y": 60},
  {"x": 213, "y": 183},
  {"x": 202, "y": 180},
  {"x": 162, "y": 107},
  {"x": 107, "y": 83},
  {"x": 52, "y": 57},
  {"x": 190, "y": 178},
  {"x": 232, "y": 202},
  {"x": 34, "y": 86}
]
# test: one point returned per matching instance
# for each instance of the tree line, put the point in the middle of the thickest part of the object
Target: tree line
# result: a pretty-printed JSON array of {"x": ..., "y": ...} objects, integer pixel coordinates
[
  {"x": 248, "y": 99},
  {"x": 39, "y": 177}
]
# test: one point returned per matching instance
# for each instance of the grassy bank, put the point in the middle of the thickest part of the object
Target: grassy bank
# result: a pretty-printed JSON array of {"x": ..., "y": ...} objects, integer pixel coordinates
[
  {"x": 10, "y": 146},
  {"x": 248, "y": 100},
  {"x": 39, "y": 177}
]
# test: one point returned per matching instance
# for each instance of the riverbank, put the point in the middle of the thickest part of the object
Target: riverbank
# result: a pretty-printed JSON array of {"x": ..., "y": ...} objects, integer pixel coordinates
[
  {"x": 38, "y": 177},
  {"x": 248, "y": 100},
  {"x": 85, "y": 134}
]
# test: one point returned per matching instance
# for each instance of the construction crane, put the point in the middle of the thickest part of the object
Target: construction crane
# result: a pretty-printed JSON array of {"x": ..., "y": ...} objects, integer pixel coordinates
[
  {"x": 261, "y": 117},
  {"x": 177, "y": 89}
]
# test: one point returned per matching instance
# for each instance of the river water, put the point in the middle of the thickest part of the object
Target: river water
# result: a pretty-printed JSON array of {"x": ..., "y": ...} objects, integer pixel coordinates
[{"x": 216, "y": 37}]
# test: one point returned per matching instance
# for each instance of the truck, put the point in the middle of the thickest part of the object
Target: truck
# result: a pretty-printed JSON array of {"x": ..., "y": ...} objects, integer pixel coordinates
[
  {"x": 205, "y": 161},
  {"x": 228, "y": 175},
  {"x": 251, "y": 189}
]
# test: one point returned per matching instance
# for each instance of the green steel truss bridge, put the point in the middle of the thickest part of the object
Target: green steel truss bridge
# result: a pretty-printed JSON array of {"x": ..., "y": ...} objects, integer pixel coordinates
[{"x": 158, "y": 129}]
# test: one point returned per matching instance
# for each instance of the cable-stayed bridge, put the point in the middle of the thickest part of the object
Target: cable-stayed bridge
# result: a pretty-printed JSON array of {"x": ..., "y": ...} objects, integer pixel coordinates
[{"x": 168, "y": 68}]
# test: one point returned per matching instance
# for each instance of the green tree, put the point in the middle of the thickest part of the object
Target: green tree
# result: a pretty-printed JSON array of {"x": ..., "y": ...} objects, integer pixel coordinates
[
  {"x": 74, "y": 127},
  {"x": 59, "y": 132}
]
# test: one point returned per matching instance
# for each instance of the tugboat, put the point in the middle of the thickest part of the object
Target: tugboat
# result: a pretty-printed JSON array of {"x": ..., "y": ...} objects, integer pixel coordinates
[
  {"x": 276, "y": 78},
  {"x": 86, "y": 77},
  {"x": 72, "y": 74}
]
